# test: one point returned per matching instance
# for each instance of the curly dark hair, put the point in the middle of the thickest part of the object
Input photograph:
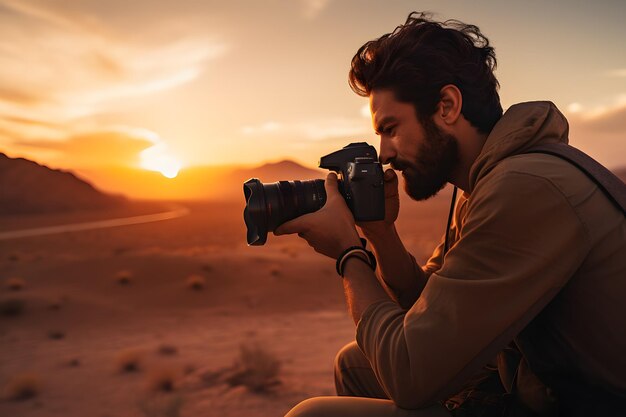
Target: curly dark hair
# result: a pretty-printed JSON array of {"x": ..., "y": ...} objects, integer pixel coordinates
[{"x": 420, "y": 57}]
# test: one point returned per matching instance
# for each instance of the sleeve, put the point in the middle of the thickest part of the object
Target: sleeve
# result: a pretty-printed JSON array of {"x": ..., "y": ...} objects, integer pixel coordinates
[{"x": 519, "y": 244}]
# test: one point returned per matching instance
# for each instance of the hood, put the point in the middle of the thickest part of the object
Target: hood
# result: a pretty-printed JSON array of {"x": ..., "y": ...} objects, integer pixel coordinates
[{"x": 520, "y": 128}]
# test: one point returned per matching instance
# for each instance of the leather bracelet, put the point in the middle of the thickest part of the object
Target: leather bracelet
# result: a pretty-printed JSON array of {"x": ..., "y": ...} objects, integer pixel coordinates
[
  {"x": 356, "y": 252},
  {"x": 355, "y": 256},
  {"x": 353, "y": 251}
]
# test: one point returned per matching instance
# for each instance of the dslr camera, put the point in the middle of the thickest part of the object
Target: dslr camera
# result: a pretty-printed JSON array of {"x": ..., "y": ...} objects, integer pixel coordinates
[{"x": 360, "y": 183}]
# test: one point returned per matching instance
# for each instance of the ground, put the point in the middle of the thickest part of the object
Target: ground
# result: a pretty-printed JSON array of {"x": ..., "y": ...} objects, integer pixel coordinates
[{"x": 150, "y": 319}]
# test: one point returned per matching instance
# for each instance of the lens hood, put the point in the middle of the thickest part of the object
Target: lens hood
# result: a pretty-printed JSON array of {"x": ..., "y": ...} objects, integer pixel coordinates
[{"x": 254, "y": 212}]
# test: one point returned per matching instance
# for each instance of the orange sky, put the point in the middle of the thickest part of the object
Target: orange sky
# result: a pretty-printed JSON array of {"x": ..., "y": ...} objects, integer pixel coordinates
[{"x": 163, "y": 85}]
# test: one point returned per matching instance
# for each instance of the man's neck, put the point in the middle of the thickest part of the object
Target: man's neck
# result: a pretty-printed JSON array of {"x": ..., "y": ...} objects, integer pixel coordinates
[{"x": 470, "y": 143}]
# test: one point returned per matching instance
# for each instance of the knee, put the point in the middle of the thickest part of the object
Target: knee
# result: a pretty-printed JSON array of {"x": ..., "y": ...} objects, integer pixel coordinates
[
  {"x": 346, "y": 356},
  {"x": 312, "y": 407}
]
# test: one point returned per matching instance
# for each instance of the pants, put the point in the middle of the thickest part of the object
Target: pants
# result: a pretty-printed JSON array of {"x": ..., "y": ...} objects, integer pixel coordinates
[{"x": 360, "y": 394}]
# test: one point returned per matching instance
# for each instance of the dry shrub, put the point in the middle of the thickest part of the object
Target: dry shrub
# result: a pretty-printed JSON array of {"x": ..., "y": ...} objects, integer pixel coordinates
[
  {"x": 129, "y": 360},
  {"x": 56, "y": 334},
  {"x": 14, "y": 284},
  {"x": 74, "y": 363},
  {"x": 22, "y": 387},
  {"x": 162, "y": 406},
  {"x": 167, "y": 350},
  {"x": 119, "y": 251},
  {"x": 196, "y": 282},
  {"x": 12, "y": 306},
  {"x": 275, "y": 271},
  {"x": 190, "y": 368},
  {"x": 290, "y": 251},
  {"x": 162, "y": 379},
  {"x": 256, "y": 368},
  {"x": 55, "y": 304},
  {"x": 124, "y": 277}
]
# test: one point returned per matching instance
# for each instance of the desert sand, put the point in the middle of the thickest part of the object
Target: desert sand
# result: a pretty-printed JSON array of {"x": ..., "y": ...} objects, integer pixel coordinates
[{"x": 173, "y": 318}]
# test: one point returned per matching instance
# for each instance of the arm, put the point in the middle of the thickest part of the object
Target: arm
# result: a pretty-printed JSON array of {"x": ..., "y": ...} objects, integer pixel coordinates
[
  {"x": 397, "y": 268},
  {"x": 521, "y": 241},
  {"x": 398, "y": 271},
  {"x": 361, "y": 288}
]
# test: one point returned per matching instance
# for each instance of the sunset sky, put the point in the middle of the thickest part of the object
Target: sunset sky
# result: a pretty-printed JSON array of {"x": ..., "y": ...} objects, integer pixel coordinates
[{"x": 89, "y": 83}]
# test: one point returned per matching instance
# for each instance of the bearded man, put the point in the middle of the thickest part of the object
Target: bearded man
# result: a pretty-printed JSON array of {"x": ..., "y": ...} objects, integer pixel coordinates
[{"x": 521, "y": 310}]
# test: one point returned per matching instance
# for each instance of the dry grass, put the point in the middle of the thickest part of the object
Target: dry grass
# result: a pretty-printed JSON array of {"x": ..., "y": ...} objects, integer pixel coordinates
[
  {"x": 129, "y": 360},
  {"x": 162, "y": 379},
  {"x": 14, "y": 284},
  {"x": 124, "y": 277},
  {"x": 22, "y": 387},
  {"x": 256, "y": 368},
  {"x": 196, "y": 282},
  {"x": 12, "y": 306}
]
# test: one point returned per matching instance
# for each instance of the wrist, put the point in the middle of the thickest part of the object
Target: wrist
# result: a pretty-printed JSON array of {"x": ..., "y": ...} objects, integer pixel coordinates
[
  {"x": 379, "y": 232},
  {"x": 354, "y": 240}
]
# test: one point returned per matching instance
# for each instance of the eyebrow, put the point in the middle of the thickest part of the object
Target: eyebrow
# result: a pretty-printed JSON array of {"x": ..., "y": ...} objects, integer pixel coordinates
[{"x": 381, "y": 125}]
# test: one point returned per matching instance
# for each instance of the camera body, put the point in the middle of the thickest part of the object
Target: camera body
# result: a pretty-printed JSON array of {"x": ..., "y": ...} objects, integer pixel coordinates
[
  {"x": 360, "y": 183},
  {"x": 361, "y": 179}
]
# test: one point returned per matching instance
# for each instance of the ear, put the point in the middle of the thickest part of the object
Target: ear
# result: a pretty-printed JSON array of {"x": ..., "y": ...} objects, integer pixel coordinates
[{"x": 450, "y": 104}]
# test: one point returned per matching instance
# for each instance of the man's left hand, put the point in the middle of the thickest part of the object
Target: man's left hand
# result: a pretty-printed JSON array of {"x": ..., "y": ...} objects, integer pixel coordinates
[{"x": 331, "y": 229}]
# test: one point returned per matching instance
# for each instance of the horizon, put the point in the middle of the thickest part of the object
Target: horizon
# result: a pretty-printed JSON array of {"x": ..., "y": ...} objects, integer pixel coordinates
[{"x": 84, "y": 89}]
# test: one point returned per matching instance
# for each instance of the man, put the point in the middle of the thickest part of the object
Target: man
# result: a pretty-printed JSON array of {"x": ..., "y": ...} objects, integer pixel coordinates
[{"x": 530, "y": 278}]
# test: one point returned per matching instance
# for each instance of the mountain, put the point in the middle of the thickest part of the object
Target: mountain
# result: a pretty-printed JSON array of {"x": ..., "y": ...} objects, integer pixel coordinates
[
  {"x": 278, "y": 171},
  {"x": 27, "y": 187},
  {"x": 195, "y": 183},
  {"x": 620, "y": 173}
]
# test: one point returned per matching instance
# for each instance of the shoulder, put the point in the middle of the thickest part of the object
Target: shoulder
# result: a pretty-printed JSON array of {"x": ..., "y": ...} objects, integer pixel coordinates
[{"x": 539, "y": 173}]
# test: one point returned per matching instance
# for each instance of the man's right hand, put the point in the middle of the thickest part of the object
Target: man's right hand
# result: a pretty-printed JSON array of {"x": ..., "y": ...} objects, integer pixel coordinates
[{"x": 392, "y": 208}]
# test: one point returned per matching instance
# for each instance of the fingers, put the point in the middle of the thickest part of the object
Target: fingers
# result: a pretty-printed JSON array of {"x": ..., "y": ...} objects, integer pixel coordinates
[
  {"x": 330, "y": 185},
  {"x": 390, "y": 175},
  {"x": 391, "y": 183},
  {"x": 296, "y": 225}
]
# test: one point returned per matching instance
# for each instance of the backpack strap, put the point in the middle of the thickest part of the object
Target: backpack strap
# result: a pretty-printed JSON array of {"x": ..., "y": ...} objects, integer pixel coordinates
[{"x": 608, "y": 182}]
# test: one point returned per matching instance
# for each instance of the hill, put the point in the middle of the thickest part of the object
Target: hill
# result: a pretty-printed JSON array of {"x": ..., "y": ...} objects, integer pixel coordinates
[{"x": 28, "y": 188}]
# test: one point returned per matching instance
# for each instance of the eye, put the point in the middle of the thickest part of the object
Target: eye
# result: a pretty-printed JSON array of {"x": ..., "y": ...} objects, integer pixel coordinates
[{"x": 390, "y": 130}]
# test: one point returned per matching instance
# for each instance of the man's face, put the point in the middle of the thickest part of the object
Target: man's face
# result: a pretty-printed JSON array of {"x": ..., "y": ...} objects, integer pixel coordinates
[{"x": 425, "y": 155}]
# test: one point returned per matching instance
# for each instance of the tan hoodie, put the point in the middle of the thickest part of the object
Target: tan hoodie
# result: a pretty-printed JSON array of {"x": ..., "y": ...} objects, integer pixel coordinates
[{"x": 538, "y": 254}]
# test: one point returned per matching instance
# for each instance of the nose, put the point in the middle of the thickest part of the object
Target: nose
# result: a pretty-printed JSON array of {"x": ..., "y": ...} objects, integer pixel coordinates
[{"x": 387, "y": 151}]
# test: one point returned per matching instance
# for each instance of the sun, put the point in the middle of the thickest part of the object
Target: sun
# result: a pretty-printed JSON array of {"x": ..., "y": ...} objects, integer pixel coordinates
[{"x": 157, "y": 158}]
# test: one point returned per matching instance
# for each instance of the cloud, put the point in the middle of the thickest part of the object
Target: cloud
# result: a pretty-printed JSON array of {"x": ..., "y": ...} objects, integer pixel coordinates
[
  {"x": 266, "y": 127},
  {"x": 621, "y": 73},
  {"x": 600, "y": 132},
  {"x": 62, "y": 63},
  {"x": 318, "y": 130},
  {"x": 115, "y": 146},
  {"x": 312, "y": 8}
]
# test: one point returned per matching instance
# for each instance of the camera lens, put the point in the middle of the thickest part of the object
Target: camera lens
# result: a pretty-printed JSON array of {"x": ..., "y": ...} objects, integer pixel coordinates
[{"x": 270, "y": 205}]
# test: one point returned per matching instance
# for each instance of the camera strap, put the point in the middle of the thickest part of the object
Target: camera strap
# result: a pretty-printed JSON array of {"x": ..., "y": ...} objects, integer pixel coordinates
[
  {"x": 446, "y": 244},
  {"x": 613, "y": 187},
  {"x": 609, "y": 183}
]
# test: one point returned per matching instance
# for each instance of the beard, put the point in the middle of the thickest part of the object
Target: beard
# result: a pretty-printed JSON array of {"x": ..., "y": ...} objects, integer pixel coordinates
[{"x": 438, "y": 155}]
